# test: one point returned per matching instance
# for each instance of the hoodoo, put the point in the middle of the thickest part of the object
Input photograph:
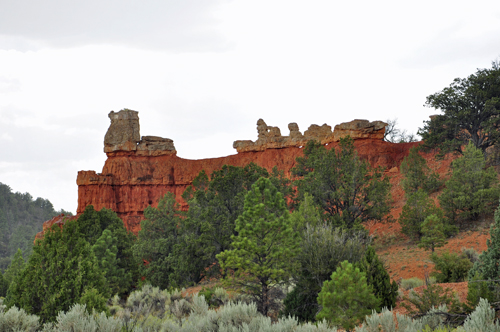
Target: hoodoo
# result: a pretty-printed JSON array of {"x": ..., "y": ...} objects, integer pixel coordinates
[{"x": 140, "y": 170}]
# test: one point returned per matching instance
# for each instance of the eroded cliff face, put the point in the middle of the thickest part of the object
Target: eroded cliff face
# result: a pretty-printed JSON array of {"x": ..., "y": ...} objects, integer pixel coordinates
[{"x": 137, "y": 173}]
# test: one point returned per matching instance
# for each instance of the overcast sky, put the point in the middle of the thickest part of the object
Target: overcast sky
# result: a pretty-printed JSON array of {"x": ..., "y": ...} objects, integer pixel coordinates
[{"x": 202, "y": 72}]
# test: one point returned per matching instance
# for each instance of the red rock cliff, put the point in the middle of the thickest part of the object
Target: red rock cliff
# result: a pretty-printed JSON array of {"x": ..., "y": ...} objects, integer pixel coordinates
[{"x": 138, "y": 173}]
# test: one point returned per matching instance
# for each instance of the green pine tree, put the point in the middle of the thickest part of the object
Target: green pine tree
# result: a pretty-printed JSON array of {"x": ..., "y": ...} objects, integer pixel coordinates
[
  {"x": 433, "y": 233},
  {"x": 106, "y": 250},
  {"x": 418, "y": 207},
  {"x": 472, "y": 189},
  {"x": 346, "y": 299},
  {"x": 265, "y": 246},
  {"x": 156, "y": 240},
  {"x": 417, "y": 174},
  {"x": 378, "y": 278}
]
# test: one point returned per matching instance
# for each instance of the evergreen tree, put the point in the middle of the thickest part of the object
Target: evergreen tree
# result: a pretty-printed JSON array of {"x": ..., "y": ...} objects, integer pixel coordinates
[
  {"x": 57, "y": 274},
  {"x": 472, "y": 189},
  {"x": 347, "y": 188},
  {"x": 346, "y": 299},
  {"x": 432, "y": 230},
  {"x": 106, "y": 250},
  {"x": 16, "y": 266},
  {"x": 214, "y": 206},
  {"x": 488, "y": 265},
  {"x": 264, "y": 246},
  {"x": 155, "y": 243},
  {"x": 418, "y": 207},
  {"x": 471, "y": 109},
  {"x": 307, "y": 214},
  {"x": 92, "y": 224},
  {"x": 322, "y": 248},
  {"x": 378, "y": 278},
  {"x": 417, "y": 174}
]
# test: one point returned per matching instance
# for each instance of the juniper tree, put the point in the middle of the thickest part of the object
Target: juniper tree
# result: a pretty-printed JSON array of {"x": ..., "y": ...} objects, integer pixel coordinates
[
  {"x": 417, "y": 174},
  {"x": 60, "y": 270},
  {"x": 343, "y": 185},
  {"x": 418, "y": 207},
  {"x": 433, "y": 233},
  {"x": 264, "y": 246},
  {"x": 472, "y": 189}
]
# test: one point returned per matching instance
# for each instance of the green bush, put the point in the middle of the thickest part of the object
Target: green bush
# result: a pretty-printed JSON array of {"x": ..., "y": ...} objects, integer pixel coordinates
[
  {"x": 346, "y": 298},
  {"x": 450, "y": 267}
]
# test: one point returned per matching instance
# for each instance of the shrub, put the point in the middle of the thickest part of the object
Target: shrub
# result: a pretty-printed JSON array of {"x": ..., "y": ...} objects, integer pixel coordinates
[
  {"x": 482, "y": 319},
  {"x": 78, "y": 319},
  {"x": 432, "y": 296},
  {"x": 451, "y": 266},
  {"x": 18, "y": 320},
  {"x": 411, "y": 283}
]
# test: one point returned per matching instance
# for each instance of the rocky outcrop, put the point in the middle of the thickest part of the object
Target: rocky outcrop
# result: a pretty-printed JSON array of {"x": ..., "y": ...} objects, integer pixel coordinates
[
  {"x": 124, "y": 135},
  {"x": 59, "y": 220},
  {"x": 269, "y": 137},
  {"x": 131, "y": 180}
]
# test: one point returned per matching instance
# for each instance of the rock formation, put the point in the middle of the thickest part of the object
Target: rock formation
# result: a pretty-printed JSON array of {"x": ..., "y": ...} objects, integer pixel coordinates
[
  {"x": 269, "y": 137},
  {"x": 137, "y": 173},
  {"x": 124, "y": 135}
]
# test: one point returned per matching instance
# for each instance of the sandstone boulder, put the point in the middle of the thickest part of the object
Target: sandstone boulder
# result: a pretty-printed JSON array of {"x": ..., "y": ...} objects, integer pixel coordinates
[{"x": 124, "y": 133}]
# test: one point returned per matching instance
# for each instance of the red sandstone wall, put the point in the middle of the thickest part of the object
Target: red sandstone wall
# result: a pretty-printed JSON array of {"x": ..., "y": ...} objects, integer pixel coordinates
[{"x": 129, "y": 183}]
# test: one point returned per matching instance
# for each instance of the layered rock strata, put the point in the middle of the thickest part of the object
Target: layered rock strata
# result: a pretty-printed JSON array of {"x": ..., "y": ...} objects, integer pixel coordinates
[
  {"x": 269, "y": 137},
  {"x": 137, "y": 173}
]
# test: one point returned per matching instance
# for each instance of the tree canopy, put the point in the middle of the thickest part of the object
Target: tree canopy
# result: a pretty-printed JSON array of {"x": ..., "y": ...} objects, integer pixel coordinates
[
  {"x": 264, "y": 246},
  {"x": 346, "y": 187},
  {"x": 470, "y": 112}
]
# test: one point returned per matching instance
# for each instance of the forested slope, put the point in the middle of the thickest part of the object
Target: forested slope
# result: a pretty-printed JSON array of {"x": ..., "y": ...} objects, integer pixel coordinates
[{"x": 21, "y": 217}]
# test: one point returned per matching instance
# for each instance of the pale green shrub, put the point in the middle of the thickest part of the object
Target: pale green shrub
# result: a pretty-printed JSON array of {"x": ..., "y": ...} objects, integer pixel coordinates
[
  {"x": 77, "y": 319},
  {"x": 411, "y": 283},
  {"x": 384, "y": 322},
  {"x": 220, "y": 295},
  {"x": 482, "y": 319},
  {"x": 16, "y": 320}
]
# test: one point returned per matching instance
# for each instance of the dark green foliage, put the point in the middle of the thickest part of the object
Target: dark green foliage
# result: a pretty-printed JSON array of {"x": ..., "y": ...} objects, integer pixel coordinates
[
  {"x": 4, "y": 285},
  {"x": 15, "y": 267},
  {"x": 323, "y": 247},
  {"x": 124, "y": 271},
  {"x": 471, "y": 109},
  {"x": 21, "y": 217},
  {"x": 487, "y": 267},
  {"x": 155, "y": 244},
  {"x": 433, "y": 233},
  {"x": 471, "y": 190},
  {"x": 214, "y": 206},
  {"x": 452, "y": 267},
  {"x": 378, "y": 278},
  {"x": 418, "y": 304},
  {"x": 57, "y": 274},
  {"x": 265, "y": 245},
  {"x": 477, "y": 288},
  {"x": 347, "y": 188},
  {"x": 417, "y": 175},
  {"x": 106, "y": 250},
  {"x": 346, "y": 299},
  {"x": 418, "y": 207}
]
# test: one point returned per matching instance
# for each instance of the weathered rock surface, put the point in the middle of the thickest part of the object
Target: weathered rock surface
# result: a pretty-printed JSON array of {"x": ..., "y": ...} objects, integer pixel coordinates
[
  {"x": 57, "y": 220},
  {"x": 131, "y": 180},
  {"x": 124, "y": 135},
  {"x": 269, "y": 137}
]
